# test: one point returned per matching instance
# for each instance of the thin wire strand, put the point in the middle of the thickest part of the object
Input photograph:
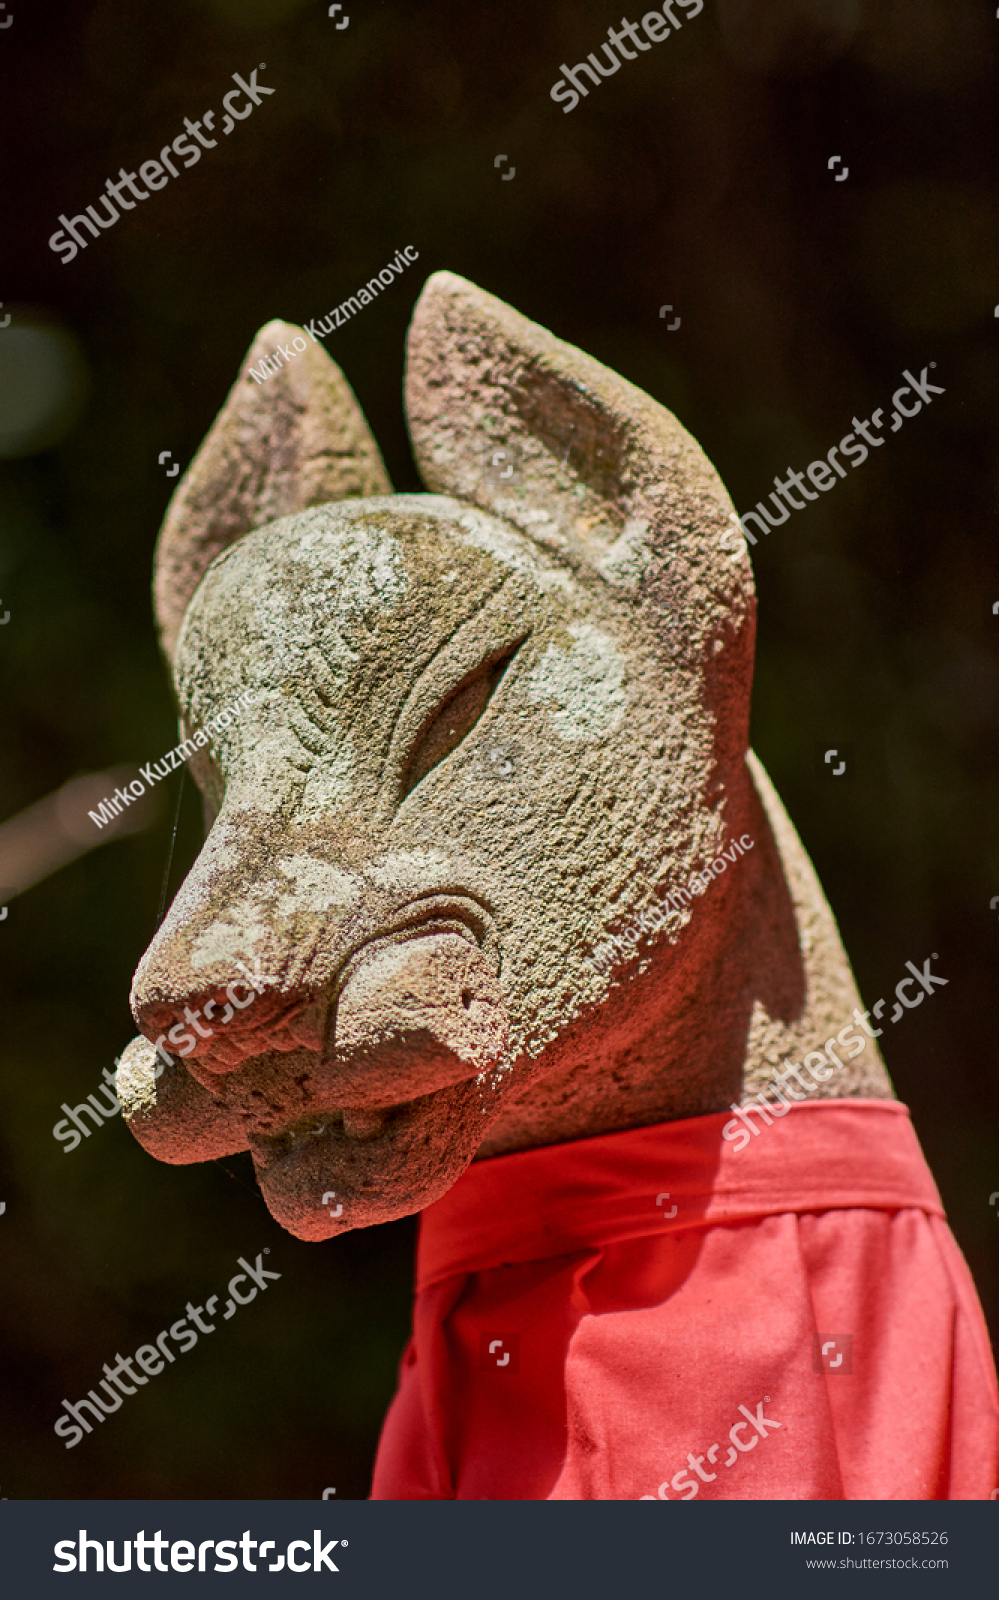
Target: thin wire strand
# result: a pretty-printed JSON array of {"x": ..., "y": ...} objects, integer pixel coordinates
[
  {"x": 253, "y": 1190},
  {"x": 173, "y": 840},
  {"x": 162, "y": 911}
]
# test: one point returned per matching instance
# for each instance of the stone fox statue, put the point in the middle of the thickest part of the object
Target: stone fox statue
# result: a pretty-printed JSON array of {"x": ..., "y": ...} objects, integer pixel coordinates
[{"x": 499, "y": 920}]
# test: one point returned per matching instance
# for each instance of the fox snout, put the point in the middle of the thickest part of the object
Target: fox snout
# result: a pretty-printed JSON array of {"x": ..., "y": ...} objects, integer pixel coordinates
[{"x": 410, "y": 1031}]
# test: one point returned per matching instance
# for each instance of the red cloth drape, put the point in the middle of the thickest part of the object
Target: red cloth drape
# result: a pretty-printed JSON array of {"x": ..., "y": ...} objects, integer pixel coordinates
[{"x": 650, "y": 1353}]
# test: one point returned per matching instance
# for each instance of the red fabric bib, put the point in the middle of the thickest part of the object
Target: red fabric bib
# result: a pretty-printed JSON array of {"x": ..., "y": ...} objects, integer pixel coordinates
[{"x": 658, "y": 1313}]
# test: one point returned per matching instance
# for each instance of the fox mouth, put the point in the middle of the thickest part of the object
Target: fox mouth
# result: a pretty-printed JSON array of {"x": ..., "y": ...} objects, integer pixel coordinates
[
  {"x": 334, "y": 1127},
  {"x": 415, "y": 1027},
  {"x": 325, "y": 1174}
]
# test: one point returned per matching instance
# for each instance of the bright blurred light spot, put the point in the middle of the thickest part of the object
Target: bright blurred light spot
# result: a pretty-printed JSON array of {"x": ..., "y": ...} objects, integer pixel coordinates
[
  {"x": 43, "y": 385},
  {"x": 59, "y": 828}
]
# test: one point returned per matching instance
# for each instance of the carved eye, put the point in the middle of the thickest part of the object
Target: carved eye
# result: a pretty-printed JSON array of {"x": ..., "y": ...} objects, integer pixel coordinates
[{"x": 455, "y": 718}]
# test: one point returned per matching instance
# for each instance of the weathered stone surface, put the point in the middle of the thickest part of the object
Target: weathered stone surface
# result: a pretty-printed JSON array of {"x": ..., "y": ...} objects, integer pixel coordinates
[
  {"x": 495, "y": 725},
  {"x": 297, "y": 439},
  {"x": 172, "y": 1115}
]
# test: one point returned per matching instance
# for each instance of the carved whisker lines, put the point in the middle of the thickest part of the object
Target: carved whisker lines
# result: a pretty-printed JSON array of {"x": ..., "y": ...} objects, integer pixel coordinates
[
  {"x": 647, "y": 817},
  {"x": 303, "y": 959},
  {"x": 326, "y": 684},
  {"x": 583, "y": 790},
  {"x": 311, "y": 735}
]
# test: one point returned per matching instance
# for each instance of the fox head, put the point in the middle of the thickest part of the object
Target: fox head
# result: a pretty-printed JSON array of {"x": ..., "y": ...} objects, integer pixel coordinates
[{"x": 491, "y": 727}]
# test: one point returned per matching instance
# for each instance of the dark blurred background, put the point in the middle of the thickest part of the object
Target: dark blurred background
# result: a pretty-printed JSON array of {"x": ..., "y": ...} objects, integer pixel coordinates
[{"x": 697, "y": 176}]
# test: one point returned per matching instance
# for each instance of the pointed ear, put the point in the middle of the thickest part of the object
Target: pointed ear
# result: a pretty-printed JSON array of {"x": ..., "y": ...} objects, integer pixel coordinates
[
  {"x": 285, "y": 439},
  {"x": 600, "y": 471}
]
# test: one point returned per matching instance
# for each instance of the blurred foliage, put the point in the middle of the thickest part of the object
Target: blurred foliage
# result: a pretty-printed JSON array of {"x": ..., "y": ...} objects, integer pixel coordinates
[{"x": 696, "y": 176}]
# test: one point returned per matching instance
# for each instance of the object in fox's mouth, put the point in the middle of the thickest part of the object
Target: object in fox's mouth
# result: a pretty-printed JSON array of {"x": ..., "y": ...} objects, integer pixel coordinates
[{"x": 523, "y": 1007}]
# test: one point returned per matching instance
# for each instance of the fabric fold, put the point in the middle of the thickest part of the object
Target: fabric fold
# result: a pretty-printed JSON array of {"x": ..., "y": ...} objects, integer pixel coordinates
[
  {"x": 568, "y": 1197},
  {"x": 660, "y": 1314}
]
